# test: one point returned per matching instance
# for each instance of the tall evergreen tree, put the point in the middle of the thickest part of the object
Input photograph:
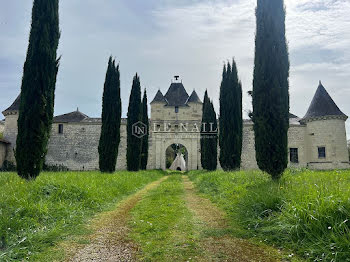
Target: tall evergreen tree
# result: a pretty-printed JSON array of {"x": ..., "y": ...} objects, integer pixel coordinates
[
  {"x": 38, "y": 89},
  {"x": 230, "y": 121},
  {"x": 144, "y": 140},
  {"x": 208, "y": 135},
  {"x": 111, "y": 118},
  {"x": 134, "y": 115},
  {"x": 271, "y": 88}
]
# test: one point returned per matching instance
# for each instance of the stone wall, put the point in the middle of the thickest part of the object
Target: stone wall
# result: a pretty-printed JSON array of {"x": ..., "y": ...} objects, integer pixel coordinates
[
  {"x": 77, "y": 147},
  {"x": 2, "y": 126},
  {"x": 3, "y": 148},
  {"x": 331, "y": 134},
  {"x": 192, "y": 112},
  {"x": 10, "y": 134}
]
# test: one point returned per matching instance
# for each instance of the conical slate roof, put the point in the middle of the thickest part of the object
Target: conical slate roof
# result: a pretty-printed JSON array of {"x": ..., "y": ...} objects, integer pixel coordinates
[
  {"x": 176, "y": 95},
  {"x": 15, "y": 104},
  {"x": 159, "y": 98},
  {"x": 75, "y": 116},
  {"x": 323, "y": 105},
  {"x": 193, "y": 98}
]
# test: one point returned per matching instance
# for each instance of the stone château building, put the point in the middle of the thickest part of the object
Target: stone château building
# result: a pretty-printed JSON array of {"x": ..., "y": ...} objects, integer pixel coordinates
[{"x": 316, "y": 141}]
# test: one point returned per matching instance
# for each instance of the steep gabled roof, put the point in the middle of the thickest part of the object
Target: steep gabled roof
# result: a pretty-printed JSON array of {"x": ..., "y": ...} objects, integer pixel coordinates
[
  {"x": 15, "y": 104},
  {"x": 72, "y": 117},
  {"x": 159, "y": 98},
  {"x": 193, "y": 98},
  {"x": 322, "y": 105},
  {"x": 176, "y": 95}
]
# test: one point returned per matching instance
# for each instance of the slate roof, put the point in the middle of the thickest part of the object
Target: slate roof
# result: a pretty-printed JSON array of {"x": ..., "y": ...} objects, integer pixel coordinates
[
  {"x": 292, "y": 115},
  {"x": 176, "y": 95},
  {"x": 15, "y": 104},
  {"x": 322, "y": 105},
  {"x": 72, "y": 117},
  {"x": 193, "y": 98},
  {"x": 159, "y": 98}
]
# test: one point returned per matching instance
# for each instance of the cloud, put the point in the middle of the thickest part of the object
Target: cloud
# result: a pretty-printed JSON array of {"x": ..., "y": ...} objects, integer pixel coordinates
[{"x": 159, "y": 39}]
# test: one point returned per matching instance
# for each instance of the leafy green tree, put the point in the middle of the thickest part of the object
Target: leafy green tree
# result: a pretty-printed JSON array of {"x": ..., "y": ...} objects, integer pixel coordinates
[
  {"x": 271, "y": 88},
  {"x": 38, "y": 89},
  {"x": 111, "y": 118},
  {"x": 209, "y": 139},
  {"x": 144, "y": 142},
  {"x": 230, "y": 121},
  {"x": 134, "y": 115}
]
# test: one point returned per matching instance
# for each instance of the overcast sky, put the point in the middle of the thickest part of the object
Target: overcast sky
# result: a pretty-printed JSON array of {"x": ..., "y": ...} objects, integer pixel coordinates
[{"x": 191, "y": 38}]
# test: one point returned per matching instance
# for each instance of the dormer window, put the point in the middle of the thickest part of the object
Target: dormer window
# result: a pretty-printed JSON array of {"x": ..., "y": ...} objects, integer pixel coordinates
[
  {"x": 60, "y": 128},
  {"x": 176, "y": 109}
]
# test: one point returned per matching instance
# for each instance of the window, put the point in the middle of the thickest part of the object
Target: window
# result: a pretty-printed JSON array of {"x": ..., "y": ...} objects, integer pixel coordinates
[
  {"x": 293, "y": 155},
  {"x": 321, "y": 152},
  {"x": 176, "y": 109},
  {"x": 60, "y": 128}
]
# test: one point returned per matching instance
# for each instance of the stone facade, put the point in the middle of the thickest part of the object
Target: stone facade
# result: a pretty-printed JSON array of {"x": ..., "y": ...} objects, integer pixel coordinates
[
  {"x": 316, "y": 142},
  {"x": 2, "y": 127},
  {"x": 3, "y": 149}
]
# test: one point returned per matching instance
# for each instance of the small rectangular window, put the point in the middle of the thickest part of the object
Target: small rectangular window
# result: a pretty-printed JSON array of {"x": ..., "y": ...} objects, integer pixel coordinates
[
  {"x": 176, "y": 109},
  {"x": 293, "y": 155},
  {"x": 60, "y": 128},
  {"x": 321, "y": 152}
]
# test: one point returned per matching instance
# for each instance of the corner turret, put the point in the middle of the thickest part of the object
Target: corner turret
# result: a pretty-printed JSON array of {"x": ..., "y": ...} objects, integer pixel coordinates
[{"x": 325, "y": 133}]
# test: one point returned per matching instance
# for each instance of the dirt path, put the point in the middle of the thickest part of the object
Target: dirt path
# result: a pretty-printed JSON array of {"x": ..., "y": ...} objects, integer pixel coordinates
[
  {"x": 215, "y": 240},
  {"x": 110, "y": 241}
]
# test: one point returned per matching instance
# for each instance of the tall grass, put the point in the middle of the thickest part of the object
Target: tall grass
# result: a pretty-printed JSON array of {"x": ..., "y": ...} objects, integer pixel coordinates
[
  {"x": 307, "y": 211},
  {"x": 35, "y": 215}
]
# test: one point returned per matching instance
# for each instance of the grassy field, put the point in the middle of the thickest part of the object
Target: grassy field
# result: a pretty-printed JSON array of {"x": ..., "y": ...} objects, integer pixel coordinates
[
  {"x": 307, "y": 211},
  {"x": 162, "y": 224},
  {"x": 36, "y": 215}
]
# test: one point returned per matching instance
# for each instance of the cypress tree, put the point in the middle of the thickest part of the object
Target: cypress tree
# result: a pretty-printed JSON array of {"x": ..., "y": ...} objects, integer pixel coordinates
[
  {"x": 133, "y": 150},
  {"x": 38, "y": 89},
  {"x": 231, "y": 123},
  {"x": 208, "y": 135},
  {"x": 144, "y": 141},
  {"x": 271, "y": 88},
  {"x": 111, "y": 118}
]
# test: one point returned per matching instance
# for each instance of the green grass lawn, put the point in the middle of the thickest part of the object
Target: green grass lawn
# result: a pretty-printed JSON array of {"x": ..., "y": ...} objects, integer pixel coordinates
[
  {"x": 307, "y": 211},
  {"x": 162, "y": 225},
  {"x": 36, "y": 215}
]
